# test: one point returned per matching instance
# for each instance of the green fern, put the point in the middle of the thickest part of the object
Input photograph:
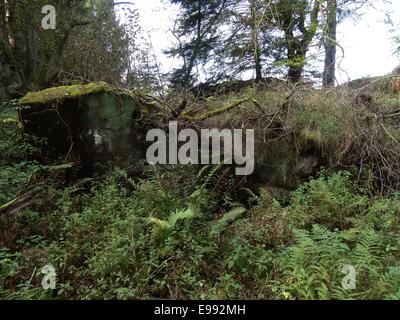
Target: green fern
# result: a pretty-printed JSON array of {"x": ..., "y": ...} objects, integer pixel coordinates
[
  {"x": 180, "y": 215},
  {"x": 232, "y": 215},
  {"x": 367, "y": 252},
  {"x": 160, "y": 225}
]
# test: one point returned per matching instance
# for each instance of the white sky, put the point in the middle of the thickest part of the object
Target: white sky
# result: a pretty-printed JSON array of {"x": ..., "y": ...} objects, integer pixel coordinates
[{"x": 367, "y": 41}]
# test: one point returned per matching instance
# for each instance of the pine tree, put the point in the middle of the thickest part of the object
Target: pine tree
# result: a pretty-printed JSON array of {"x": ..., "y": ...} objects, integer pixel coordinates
[
  {"x": 299, "y": 21},
  {"x": 197, "y": 33}
]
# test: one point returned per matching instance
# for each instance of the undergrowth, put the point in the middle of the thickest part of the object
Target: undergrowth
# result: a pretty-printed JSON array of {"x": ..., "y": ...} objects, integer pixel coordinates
[
  {"x": 181, "y": 233},
  {"x": 127, "y": 240}
]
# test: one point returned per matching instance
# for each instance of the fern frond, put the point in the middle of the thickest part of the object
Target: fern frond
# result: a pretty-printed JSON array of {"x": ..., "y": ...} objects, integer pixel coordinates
[
  {"x": 159, "y": 224},
  {"x": 180, "y": 215},
  {"x": 232, "y": 215}
]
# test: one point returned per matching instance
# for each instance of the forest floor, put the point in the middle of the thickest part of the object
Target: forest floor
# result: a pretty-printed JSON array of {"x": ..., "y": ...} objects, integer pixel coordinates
[{"x": 181, "y": 233}]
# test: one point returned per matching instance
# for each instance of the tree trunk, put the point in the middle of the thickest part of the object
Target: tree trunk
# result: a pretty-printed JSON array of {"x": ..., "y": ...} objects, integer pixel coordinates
[
  {"x": 255, "y": 40},
  {"x": 296, "y": 58},
  {"x": 298, "y": 46},
  {"x": 330, "y": 45},
  {"x": 10, "y": 81},
  {"x": 32, "y": 53},
  {"x": 295, "y": 74},
  {"x": 188, "y": 72}
]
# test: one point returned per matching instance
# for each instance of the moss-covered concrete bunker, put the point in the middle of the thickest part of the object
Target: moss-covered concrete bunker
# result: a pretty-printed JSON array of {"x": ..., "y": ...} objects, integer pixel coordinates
[{"x": 89, "y": 124}]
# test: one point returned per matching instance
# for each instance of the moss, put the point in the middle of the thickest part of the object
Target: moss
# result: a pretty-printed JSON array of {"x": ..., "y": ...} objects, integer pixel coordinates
[
  {"x": 216, "y": 112},
  {"x": 64, "y": 92},
  {"x": 311, "y": 137}
]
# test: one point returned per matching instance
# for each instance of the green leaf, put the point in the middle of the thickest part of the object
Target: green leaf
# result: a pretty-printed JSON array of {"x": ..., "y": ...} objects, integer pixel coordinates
[
  {"x": 159, "y": 224},
  {"x": 180, "y": 215},
  {"x": 232, "y": 215}
]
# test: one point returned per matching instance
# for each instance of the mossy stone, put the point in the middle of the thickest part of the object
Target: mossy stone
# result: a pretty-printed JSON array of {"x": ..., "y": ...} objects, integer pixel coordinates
[
  {"x": 64, "y": 92},
  {"x": 89, "y": 124}
]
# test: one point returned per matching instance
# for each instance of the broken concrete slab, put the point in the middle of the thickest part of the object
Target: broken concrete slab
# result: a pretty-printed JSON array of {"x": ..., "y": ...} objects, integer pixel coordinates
[{"x": 90, "y": 124}]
